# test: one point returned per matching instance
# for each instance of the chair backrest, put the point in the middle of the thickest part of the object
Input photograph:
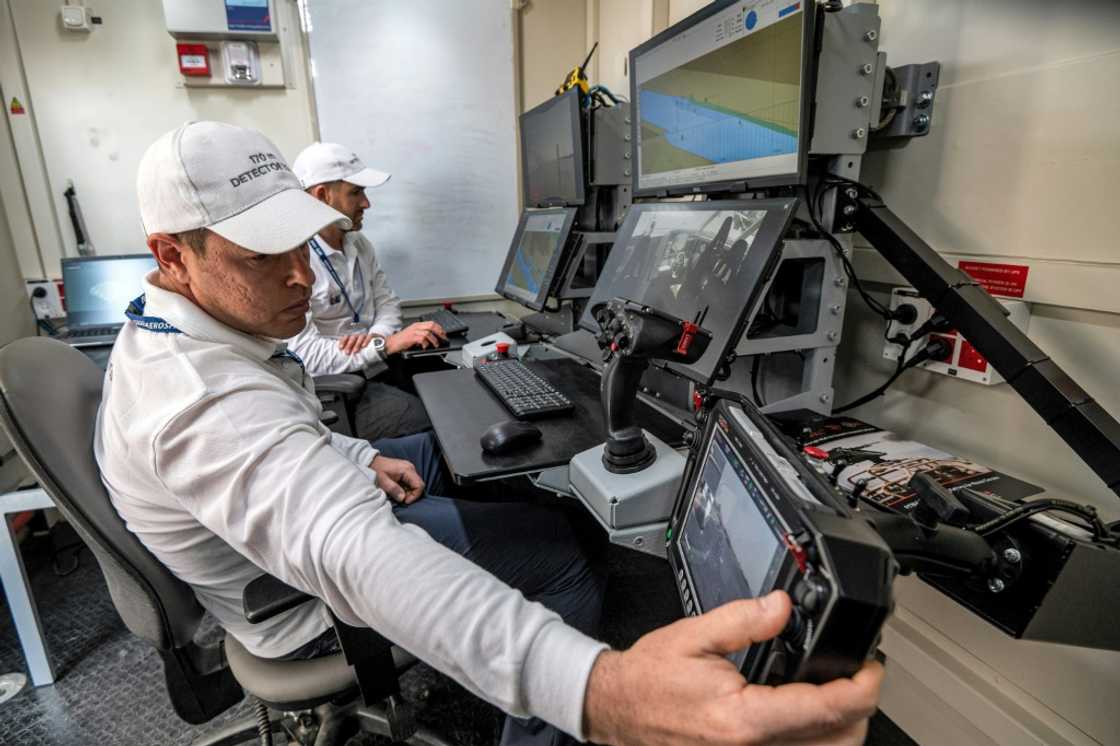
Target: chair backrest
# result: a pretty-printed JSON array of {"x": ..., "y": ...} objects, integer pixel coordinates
[{"x": 49, "y": 397}]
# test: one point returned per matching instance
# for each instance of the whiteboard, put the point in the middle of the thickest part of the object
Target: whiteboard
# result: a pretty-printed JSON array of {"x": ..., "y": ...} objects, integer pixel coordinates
[{"x": 424, "y": 89}]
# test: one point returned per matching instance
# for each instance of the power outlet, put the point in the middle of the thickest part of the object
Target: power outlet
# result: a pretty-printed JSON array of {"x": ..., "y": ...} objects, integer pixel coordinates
[
  {"x": 46, "y": 300},
  {"x": 963, "y": 361}
]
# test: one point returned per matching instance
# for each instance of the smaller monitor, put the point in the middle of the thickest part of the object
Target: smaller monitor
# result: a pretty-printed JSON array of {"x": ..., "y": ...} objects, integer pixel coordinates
[
  {"x": 552, "y": 153},
  {"x": 535, "y": 256},
  {"x": 693, "y": 259},
  {"x": 98, "y": 289}
]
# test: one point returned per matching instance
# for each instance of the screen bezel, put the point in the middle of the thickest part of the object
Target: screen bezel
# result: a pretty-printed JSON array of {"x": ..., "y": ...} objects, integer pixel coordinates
[
  {"x": 760, "y": 266},
  {"x": 760, "y": 468},
  {"x": 74, "y": 319},
  {"x": 808, "y": 85},
  {"x": 570, "y": 99},
  {"x": 549, "y": 278}
]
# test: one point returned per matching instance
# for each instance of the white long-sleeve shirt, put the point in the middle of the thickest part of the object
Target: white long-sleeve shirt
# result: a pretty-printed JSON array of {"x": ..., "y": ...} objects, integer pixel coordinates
[
  {"x": 331, "y": 318},
  {"x": 212, "y": 451}
]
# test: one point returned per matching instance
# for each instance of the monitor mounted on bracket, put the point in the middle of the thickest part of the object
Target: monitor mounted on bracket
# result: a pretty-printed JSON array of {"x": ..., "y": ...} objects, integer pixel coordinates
[
  {"x": 535, "y": 256},
  {"x": 552, "y": 153},
  {"x": 721, "y": 100},
  {"x": 709, "y": 260}
]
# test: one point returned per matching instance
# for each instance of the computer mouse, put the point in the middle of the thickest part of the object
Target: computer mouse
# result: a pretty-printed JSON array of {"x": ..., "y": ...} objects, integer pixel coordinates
[{"x": 512, "y": 435}]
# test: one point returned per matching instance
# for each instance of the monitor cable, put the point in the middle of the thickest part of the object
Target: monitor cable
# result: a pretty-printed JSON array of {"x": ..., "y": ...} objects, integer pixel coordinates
[{"x": 933, "y": 349}]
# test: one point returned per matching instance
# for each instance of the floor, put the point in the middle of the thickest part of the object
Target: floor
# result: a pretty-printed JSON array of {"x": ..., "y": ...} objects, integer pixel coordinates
[{"x": 110, "y": 687}]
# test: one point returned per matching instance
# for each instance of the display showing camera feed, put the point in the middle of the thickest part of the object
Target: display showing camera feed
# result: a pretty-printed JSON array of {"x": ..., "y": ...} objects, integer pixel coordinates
[
  {"x": 721, "y": 100},
  {"x": 98, "y": 290},
  {"x": 730, "y": 550},
  {"x": 552, "y": 153},
  {"x": 690, "y": 260},
  {"x": 532, "y": 260}
]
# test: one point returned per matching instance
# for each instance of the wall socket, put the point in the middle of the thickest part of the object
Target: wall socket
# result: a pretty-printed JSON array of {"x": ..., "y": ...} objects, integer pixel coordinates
[
  {"x": 49, "y": 303},
  {"x": 963, "y": 361}
]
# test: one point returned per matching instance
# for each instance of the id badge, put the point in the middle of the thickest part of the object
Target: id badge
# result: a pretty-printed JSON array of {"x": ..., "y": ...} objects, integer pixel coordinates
[{"x": 355, "y": 327}]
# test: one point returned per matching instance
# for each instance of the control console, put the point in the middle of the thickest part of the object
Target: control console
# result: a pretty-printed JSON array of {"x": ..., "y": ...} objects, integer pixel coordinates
[{"x": 752, "y": 517}]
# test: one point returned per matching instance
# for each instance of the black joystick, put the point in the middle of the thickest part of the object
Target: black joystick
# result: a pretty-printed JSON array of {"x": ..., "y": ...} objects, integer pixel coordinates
[{"x": 631, "y": 335}]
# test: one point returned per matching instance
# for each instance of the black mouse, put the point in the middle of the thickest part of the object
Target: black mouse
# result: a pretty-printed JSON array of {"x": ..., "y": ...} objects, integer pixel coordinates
[{"x": 511, "y": 435}]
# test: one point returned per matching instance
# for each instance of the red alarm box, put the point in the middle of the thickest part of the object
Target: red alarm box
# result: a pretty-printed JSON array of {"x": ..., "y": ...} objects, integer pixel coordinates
[{"x": 194, "y": 59}]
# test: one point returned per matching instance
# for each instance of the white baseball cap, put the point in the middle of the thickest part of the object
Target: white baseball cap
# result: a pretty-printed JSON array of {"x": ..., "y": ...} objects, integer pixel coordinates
[
  {"x": 231, "y": 180},
  {"x": 328, "y": 161}
]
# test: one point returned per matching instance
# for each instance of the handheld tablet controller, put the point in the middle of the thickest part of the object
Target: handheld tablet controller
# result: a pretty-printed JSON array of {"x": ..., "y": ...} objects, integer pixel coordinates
[{"x": 753, "y": 517}]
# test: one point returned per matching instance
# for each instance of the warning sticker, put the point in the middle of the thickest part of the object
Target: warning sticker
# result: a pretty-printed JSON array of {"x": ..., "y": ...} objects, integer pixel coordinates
[
  {"x": 1008, "y": 280},
  {"x": 16, "y": 107}
]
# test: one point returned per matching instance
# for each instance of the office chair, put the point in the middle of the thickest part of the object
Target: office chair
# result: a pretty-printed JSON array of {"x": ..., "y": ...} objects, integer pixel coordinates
[
  {"x": 49, "y": 395},
  {"x": 340, "y": 393}
]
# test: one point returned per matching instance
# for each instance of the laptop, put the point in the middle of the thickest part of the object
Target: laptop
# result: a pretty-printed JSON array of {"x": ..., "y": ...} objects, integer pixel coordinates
[{"x": 98, "y": 289}]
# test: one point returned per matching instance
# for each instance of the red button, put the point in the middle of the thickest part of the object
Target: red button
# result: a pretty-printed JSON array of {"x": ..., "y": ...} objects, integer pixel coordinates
[
  {"x": 503, "y": 348},
  {"x": 813, "y": 452},
  {"x": 798, "y": 553},
  {"x": 697, "y": 401}
]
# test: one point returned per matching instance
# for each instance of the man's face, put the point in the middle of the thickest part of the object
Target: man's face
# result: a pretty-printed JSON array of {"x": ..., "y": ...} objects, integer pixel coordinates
[
  {"x": 262, "y": 294},
  {"x": 349, "y": 199}
]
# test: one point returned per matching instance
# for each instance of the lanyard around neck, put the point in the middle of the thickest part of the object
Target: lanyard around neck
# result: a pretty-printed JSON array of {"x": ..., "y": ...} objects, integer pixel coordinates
[
  {"x": 338, "y": 280},
  {"x": 135, "y": 314}
]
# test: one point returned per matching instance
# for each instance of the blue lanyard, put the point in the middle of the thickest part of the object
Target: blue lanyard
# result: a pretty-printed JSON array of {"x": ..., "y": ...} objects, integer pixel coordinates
[
  {"x": 135, "y": 314},
  {"x": 338, "y": 280}
]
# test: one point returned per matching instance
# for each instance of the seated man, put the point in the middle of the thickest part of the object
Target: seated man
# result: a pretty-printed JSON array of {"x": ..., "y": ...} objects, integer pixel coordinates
[
  {"x": 212, "y": 451},
  {"x": 355, "y": 324}
]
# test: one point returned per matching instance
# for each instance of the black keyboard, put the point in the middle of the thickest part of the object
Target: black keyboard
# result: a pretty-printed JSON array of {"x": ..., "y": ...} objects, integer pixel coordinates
[
  {"x": 94, "y": 331},
  {"x": 450, "y": 323},
  {"x": 521, "y": 391}
]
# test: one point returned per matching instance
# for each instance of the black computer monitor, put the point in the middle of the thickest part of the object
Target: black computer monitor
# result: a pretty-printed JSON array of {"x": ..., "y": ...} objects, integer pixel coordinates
[
  {"x": 696, "y": 258},
  {"x": 552, "y": 153},
  {"x": 98, "y": 288},
  {"x": 535, "y": 255},
  {"x": 720, "y": 100}
]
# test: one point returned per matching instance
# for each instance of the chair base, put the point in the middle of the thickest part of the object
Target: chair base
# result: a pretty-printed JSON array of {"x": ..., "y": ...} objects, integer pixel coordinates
[{"x": 332, "y": 722}]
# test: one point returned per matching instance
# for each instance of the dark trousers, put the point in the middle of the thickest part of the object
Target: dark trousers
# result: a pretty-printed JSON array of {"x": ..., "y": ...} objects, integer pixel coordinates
[
  {"x": 385, "y": 411},
  {"x": 533, "y": 548}
]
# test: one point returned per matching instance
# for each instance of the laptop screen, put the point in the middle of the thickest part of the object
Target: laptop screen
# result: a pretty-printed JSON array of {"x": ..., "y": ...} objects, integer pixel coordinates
[{"x": 99, "y": 288}]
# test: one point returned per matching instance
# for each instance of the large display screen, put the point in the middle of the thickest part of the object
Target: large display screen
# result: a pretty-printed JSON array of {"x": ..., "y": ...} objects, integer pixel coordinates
[
  {"x": 534, "y": 256},
  {"x": 692, "y": 260},
  {"x": 719, "y": 98},
  {"x": 99, "y": 289},
  {"x": 728, "y": 546},
  {"x": 552, "y": 152}
]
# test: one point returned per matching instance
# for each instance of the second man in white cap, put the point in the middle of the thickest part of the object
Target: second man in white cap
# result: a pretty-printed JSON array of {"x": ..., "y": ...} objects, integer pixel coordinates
[{"x": 355, "y": 317}]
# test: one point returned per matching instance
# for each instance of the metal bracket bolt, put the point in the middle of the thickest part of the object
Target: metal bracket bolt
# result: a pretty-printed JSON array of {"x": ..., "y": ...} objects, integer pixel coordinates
[
  {"x": 867, "y": 68},
  {"x": 863, "y": 102},
  {"x": 925, "y": 98},
  {"x": 921, "y": 122},
  {"x": 995, "y": 585},
  {"x": 859, "y": 133},
  {"x": 1012, "y": 555},
  {"x": 871, "y": 35}
]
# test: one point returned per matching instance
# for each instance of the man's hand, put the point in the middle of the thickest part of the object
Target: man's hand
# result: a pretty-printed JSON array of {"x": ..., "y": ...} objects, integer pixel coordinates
[
  {"x": 352, "y": 344},
  {"x": 422, "y": 334},
  {"x": 675, "y": 686},
  {"x": 398, "y": 478}
]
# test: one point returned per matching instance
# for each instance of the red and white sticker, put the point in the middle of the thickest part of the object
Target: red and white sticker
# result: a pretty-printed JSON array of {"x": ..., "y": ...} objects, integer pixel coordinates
[{"x": 1007, "y": 280}]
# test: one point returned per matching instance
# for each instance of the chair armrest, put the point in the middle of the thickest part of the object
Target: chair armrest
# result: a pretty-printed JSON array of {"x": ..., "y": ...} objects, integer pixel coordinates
[
  {"x": 347, "y": 384},
  {"x": 266, "y": 596}
]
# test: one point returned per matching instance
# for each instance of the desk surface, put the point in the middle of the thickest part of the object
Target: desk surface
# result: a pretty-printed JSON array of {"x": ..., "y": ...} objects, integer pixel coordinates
[
  {"x": 482, "y": 323},
  {"x": 461, "y": 409}
]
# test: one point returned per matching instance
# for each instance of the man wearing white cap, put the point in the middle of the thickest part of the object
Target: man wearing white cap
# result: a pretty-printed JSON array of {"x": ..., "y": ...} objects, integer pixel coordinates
[
  {"x": 210, "y": 445},
  {"x": 355, "y": 321}
]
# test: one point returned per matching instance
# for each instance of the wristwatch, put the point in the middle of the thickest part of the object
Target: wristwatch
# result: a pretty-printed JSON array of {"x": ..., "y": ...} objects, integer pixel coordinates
[{"x": 378, "y": 345}]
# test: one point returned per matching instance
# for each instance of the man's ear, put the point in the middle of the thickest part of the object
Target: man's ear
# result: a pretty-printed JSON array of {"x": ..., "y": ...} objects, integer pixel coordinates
[
  {"x": 320, "y": 192},
  {"x": 169, "y": 254}
]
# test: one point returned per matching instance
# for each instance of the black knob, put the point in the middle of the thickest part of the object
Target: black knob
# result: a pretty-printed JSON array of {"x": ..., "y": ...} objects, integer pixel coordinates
[{"x": 795, "y": 629}]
